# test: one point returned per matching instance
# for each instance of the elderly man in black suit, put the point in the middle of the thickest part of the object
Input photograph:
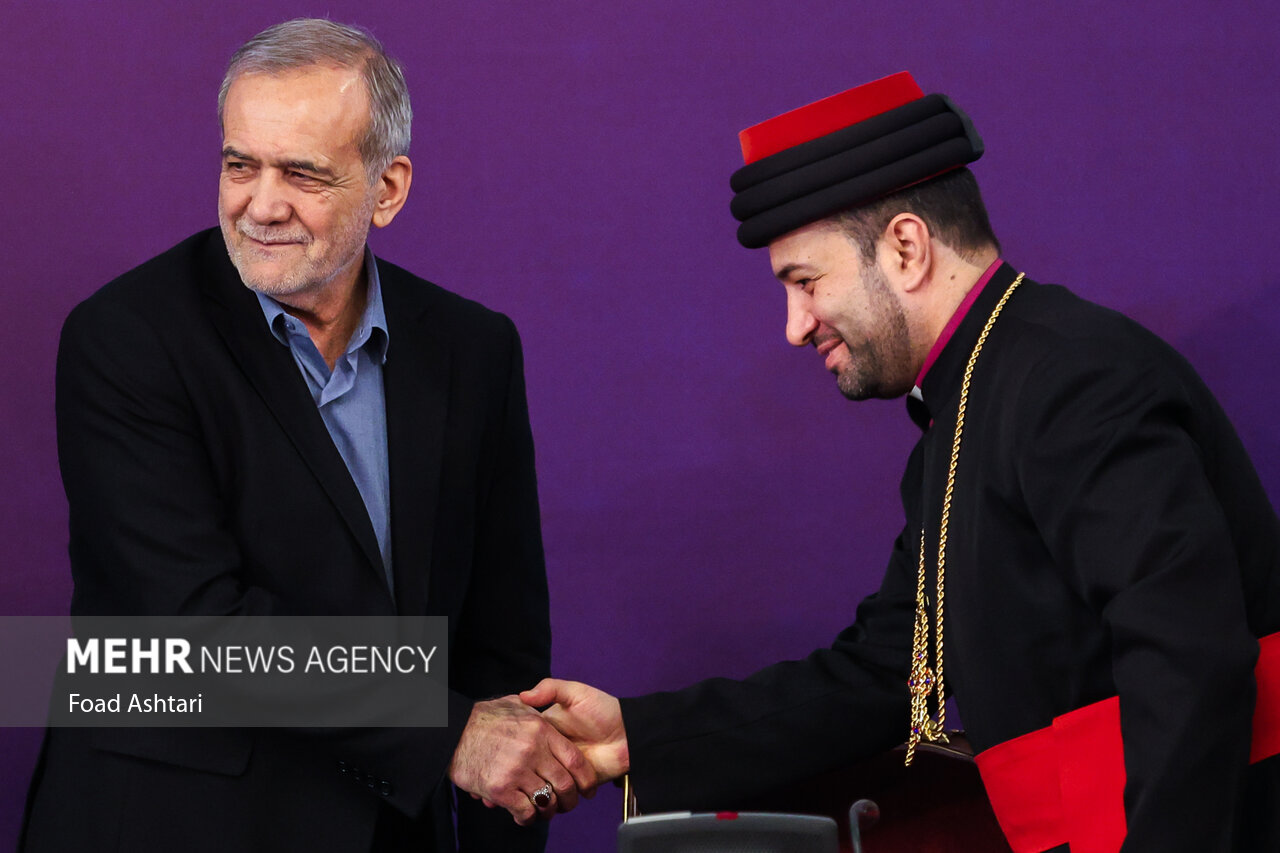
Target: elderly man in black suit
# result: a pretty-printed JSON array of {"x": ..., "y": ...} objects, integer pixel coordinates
[{"x": 266, "y": 420}]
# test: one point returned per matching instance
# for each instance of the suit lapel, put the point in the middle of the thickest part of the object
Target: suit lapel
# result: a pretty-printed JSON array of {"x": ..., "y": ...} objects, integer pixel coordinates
[
  {"x": 270, "y": 368},
  {"x": 416, "y": 381}
]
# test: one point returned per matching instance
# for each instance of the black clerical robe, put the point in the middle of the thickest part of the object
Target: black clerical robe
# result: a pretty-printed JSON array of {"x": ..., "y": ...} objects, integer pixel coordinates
[{"x": 1108, "y": 535}]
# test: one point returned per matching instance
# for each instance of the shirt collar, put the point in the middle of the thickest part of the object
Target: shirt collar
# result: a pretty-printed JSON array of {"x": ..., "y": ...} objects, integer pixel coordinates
[
  {"x": 372, "y": 329},
  {"x": 953, "y": 324}
]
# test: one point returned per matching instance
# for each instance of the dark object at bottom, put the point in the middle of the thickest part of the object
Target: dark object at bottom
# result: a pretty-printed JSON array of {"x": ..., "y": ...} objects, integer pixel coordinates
[
  {"x": 728, "y": 832},
  {"x": 938, "y": 805}
]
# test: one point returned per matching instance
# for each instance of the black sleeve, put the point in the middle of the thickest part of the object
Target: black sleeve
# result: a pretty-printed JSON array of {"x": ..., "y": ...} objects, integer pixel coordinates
[
  {"x": 1134, "y": 519},
  {"x": 717, "y": 742}
]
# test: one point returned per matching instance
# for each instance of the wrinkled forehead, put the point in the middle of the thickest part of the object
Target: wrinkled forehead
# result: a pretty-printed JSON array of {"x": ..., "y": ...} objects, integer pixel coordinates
[
  {"x": 316, "y": 103},
  {"x": 302, "y": 81}
]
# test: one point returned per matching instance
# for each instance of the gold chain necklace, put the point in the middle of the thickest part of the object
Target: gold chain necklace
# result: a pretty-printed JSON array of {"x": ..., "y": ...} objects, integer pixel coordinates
[{"x": 923, "y": 681}]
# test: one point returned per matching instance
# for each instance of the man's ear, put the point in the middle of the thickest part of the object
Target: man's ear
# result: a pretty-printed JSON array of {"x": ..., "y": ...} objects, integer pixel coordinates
[
  {"x": 909, "y": 250},
  {"x": 392, "y": 190}
]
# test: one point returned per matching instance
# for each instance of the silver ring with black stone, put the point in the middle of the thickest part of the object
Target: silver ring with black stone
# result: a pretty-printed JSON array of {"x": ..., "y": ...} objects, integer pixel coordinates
[{"x": 541, "y": 798}]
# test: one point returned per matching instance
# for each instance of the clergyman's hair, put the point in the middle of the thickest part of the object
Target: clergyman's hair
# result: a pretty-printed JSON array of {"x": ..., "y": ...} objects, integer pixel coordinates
[
  {"x": 950, "y": 204},
  {"x": 304, "y": 42}
]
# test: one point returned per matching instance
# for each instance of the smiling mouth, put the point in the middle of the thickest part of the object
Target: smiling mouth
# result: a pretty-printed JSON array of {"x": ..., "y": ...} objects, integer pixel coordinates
[
  {"x": 827, "y": 348},
  {"x": 269, "y": 238},
  {"x": 270, "y": 243}
]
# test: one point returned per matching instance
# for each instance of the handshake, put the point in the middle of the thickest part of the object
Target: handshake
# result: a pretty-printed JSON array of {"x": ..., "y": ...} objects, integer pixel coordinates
[{"x": 537, "y": 764}]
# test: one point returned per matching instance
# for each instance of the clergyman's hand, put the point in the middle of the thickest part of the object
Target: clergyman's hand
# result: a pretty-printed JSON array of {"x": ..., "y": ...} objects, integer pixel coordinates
[
  {"x": 508, "y": 753},
  {"x": 591, "y": 718}
]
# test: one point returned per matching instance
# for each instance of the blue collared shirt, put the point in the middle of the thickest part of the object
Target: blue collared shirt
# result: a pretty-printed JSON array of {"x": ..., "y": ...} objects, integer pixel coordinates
[{"x": 350, "y": 398}]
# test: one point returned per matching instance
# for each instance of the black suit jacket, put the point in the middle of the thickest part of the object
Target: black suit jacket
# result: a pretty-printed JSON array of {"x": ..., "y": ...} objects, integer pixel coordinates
[{"x": 202, "y": 480}]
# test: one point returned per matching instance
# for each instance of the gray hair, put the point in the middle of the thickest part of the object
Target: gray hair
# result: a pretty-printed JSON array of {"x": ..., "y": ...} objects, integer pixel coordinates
[{"x": 303, "y": 42}]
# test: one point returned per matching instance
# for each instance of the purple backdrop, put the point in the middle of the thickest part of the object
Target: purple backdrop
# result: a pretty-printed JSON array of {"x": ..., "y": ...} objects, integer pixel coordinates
[{"x": 710, "y": 503}]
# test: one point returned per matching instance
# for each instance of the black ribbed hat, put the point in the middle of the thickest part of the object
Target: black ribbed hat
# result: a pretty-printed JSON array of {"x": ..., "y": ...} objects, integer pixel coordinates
[{"x": 844, "y": 151}]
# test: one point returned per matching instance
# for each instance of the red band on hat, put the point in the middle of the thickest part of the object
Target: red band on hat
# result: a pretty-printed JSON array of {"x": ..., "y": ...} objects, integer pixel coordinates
[{"x": 828, "y": 115}]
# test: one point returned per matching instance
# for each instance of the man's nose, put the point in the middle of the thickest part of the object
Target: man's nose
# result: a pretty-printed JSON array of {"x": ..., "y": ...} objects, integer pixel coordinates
[
  {"x": 269, "y": 204},
  {"x": 800, "y": 320}
]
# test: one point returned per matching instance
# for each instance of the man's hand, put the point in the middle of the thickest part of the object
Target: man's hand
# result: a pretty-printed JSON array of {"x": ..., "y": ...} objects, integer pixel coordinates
[
  {"x": 508, "y": 752},
  {"x": 591, "y": 718}
]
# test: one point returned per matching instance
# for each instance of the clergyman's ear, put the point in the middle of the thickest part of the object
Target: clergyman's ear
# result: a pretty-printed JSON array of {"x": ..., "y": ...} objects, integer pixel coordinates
[{"x": 909, "y": 247}]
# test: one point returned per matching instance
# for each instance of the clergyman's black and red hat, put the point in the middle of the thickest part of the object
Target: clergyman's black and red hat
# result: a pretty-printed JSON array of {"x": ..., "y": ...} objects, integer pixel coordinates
[{"x": 844, "y": 151}]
